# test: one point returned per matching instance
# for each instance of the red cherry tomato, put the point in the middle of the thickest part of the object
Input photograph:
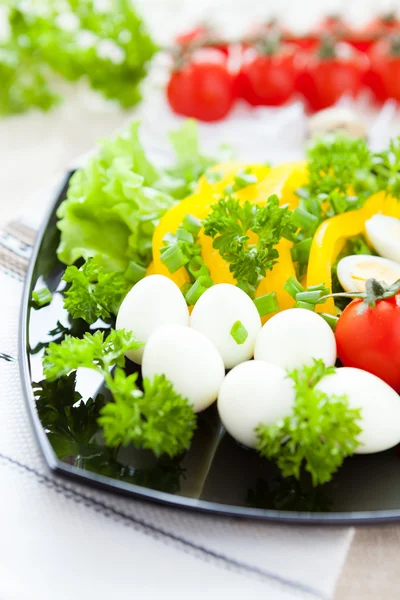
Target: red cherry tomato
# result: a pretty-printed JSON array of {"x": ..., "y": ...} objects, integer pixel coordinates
[
  {"x": 383, "y": 76},
  {"x": 327, "y": 76},
  {"x": 195, "y": 34},
  {"x": 268, "y": 79},
  {"x": 369, "y": 339},
  {"x": 375, "y": 30},
  {"x": 203, "y": 87},
  {"x": 334, "y": 25},
  {"x": 201, "y": 35}
]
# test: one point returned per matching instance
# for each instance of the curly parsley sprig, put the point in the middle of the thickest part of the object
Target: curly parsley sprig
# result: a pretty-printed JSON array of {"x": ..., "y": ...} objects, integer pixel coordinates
[
  {"x": 319, "y": 434},
  {"x": 93, "y": 293},
  {"x": 156, "y": 418},
  {"x": 231, "y": 223}
]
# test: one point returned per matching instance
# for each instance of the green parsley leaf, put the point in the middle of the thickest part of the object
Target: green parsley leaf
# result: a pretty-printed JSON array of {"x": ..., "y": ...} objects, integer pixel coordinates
[
  {"x": 94, "y": 294},
  {"x": 229, "y": 224},
  {"x": 386, "y": 165},
  {"x": 110, "y": 48},
  {"x": 70, "y": 423},
  {"x": 319, "y": 434},
  {"x": 239, "y": 332},
  {"x": 93, "y": 351},
  {"x": 157, "y": 419}
]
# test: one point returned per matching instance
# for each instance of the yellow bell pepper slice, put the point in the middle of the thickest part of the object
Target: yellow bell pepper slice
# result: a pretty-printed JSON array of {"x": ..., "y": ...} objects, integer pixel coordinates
[
  {"x": 331, "y": 237},
  {"x": 271, "y": 181}
]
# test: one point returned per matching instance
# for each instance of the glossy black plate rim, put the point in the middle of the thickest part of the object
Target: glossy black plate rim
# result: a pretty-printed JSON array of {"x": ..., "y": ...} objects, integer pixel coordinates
[{"x": 80, "y": 476}]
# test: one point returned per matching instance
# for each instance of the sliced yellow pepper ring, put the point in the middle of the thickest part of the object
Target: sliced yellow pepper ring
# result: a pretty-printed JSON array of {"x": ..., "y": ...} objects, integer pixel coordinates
[{"x": 331, "y": 237}]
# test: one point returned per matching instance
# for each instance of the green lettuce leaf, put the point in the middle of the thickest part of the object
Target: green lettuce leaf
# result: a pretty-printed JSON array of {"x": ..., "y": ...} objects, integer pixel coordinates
[{"x": 111, "y": 210}]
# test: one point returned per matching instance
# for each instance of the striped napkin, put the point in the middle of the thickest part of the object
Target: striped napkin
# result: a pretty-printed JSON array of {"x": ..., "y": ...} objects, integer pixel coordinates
[{"x": 63, "y": 540}]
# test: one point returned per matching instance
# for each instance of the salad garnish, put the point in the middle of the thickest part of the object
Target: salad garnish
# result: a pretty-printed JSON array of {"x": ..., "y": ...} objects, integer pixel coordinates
[
  {"x": 239, "y": 332},
  {"x": 230, "y": 224},
  {"x": 41, "y": 297},
  {"x": 158, "y": 418},
  {"x": 319, "y": 434}
]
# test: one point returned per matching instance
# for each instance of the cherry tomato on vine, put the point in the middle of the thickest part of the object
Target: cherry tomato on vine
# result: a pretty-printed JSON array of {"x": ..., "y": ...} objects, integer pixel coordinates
[
  {"x": 332, "y": 71},
  {"x": 376, "y": 29},
  {"x": 333, "y": 25},
  {"x": 383, "y": 76},
  {"x": 202, "y": 87},
  {"x": 368, "y": 338},
  {"x": 268, "y": 75}
]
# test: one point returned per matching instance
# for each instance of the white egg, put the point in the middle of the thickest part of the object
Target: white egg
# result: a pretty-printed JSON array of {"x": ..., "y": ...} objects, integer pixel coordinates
[
  {"x": 384, "y": 235},
  {"x": 189, "y": 360},
  {"x": 353, "y": 271},
  {"x": 379, "y": 404},
  {"x": 252, "y": 393},
  {"x": 154, "y": 301},
  {"x": 220, "y": 308},
  {"x": 293, "y": 338}
]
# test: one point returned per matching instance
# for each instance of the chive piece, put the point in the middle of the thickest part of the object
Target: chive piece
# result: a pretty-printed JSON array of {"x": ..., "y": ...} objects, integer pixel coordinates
[
  {"x": 183, "y": 235},
  {"x": 266, "y": 304},
  {"x": 330, "y": 319},
  {"x": 301, "y": 251},
  {"x": 213, "y": 176},
  {"x": 42, "y": 297},
  {"x": 312, "y": 297},
  {"x": 320, "y": 286},
  {"x": 229, "y": 189},
  {"x": 197, "y": 289},
  {"x": 306, "y": 305},
  {"x": 186, "y": 287},
  {"x": 135, "y": 271},
  {"x": 198, "y": 268},
  {"x": 293, "y": 287},
  {"x": 169, "y": 239},
  {"x": 239, "y": 332},
  {"x": 304, "y": 219},
  {"x": 192, "y": 224},
  {"x": 243, "y": 180},
  {"x": 173, "y": 258}
]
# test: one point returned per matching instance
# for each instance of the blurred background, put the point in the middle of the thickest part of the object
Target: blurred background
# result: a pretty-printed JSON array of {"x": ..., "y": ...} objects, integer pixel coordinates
[{"x": 36, "y": 145}]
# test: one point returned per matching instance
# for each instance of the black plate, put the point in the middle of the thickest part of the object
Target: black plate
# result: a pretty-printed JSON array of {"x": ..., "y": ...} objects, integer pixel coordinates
[{"x": 215, "y": 475}]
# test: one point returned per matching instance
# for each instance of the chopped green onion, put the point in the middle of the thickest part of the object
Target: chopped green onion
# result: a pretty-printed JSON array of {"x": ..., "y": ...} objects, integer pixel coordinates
[
  {"x": 266, "y": 304},
  {"x": 192, "y": 224},
  {"x": 213, "y": 176},
  {"x": 304, "y": 219},
  {"x": 135, "y": 271},
  {"x": 330, "y": 319},
  {"x": 312, "y": 297},
  {"x": 306, "y": 305},
  {"x": 293, "y": 287},
  {"x": 197, "y": 289},
  {"x": 229, "y": 189},
  {"x": 301, "y": 251},
  {"x": 169, "y": 239},
  {"x": 320, "y": 286},
  {"x": 338, "y": 203},
  {"x": 239, "y": 332},
  {"x": 42, "y": 297},
  {"x": 186, "y": 287},
  {"x": 198, "y": 268},
  {"x": 183, "y": 235},
  {"x": 243, "y": 180},
  {"x": 173, "y": 258}
]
